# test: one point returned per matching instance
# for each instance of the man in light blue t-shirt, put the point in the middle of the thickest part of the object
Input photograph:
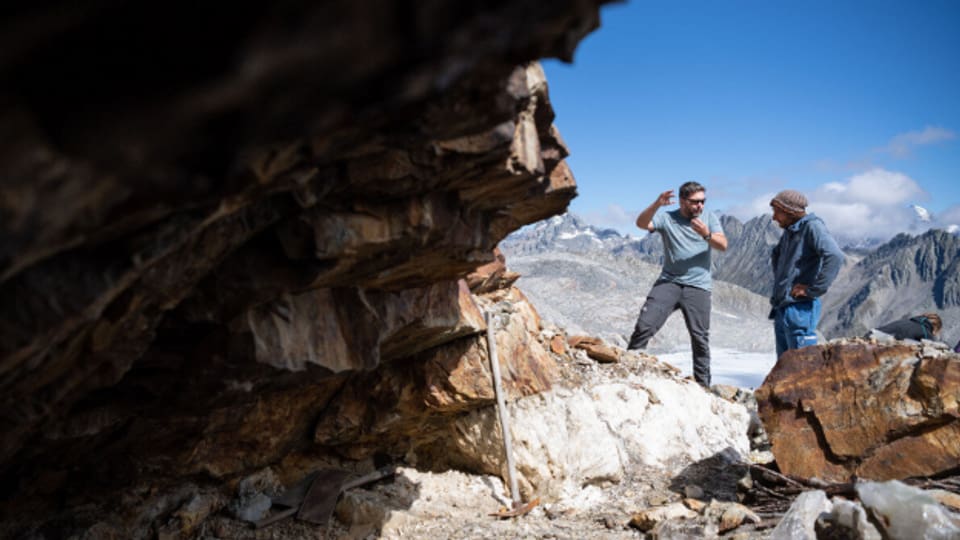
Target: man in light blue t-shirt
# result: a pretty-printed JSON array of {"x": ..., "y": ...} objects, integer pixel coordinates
[{"x": 684, "y": 283}]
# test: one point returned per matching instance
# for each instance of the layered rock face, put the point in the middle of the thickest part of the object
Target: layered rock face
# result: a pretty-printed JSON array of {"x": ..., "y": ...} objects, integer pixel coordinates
[
  {"x": 204, "y": 239},
  {"x": 864, "y": 410}
]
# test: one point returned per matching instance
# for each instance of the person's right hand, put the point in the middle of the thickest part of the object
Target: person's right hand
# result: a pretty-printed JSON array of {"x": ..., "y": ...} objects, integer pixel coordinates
[
  {"x": 665, "y": 198},
  {"x": 799, "y": 290}
]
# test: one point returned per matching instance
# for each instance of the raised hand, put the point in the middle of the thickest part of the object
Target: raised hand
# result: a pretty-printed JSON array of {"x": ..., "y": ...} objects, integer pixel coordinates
[{"x": 665, "y": 198}]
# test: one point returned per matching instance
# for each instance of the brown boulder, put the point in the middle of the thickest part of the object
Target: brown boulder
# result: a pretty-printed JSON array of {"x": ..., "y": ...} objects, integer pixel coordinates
[
  {"x": 595, "y": 348},
  {"x": 876, "y": 412}
]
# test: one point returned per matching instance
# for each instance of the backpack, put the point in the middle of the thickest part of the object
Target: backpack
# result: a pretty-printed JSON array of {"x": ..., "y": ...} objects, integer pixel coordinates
[{"x": 925, "y": 325}]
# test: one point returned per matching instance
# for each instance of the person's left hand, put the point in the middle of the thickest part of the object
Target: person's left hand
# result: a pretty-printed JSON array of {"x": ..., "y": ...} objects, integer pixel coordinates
[
  {"x": 699, "y": 226},
  {"x": 799, "y": 290}
]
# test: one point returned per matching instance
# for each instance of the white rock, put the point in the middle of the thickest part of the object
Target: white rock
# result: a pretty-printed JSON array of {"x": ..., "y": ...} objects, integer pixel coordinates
[
  {"x": 799, "y": 521},
  {"x": 562, "y": 444},
  {"x": 853, "y": 517},
  {"x": 565, "y": 439},
  {"x": 907, "y": 512},
  {"x": 687, "y": 425}
]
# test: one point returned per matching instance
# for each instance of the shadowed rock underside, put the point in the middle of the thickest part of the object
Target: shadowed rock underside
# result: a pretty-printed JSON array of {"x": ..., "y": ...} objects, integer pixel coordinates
[{"x": 223, "y": 232}]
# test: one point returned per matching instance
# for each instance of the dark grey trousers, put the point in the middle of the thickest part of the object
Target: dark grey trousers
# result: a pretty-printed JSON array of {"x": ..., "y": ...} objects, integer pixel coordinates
[{"x": 665, "y": 298}]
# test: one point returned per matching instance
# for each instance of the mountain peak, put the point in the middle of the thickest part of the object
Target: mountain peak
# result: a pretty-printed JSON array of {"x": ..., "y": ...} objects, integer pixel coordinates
[{"x": 565, "y": 232}]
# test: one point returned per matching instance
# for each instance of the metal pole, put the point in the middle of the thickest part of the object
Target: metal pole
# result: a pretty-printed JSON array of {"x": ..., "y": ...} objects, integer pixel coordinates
[{"x": 501, "y": 408}]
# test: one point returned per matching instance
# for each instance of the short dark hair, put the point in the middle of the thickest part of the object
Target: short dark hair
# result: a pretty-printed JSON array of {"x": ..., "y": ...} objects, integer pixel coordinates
[{"x": 689, "y": 188}]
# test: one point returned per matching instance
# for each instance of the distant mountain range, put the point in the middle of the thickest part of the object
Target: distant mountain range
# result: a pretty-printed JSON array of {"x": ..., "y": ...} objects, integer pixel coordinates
[
  {"x": 592, "y": 280},
  {"x": 595, "y": 280},
  {"x": 601, "y": 294},
  {"x": 906, "y": 276}
]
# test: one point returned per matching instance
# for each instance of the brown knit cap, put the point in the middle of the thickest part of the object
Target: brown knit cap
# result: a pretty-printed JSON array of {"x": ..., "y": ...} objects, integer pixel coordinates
[{"x": 790, "y": 201}]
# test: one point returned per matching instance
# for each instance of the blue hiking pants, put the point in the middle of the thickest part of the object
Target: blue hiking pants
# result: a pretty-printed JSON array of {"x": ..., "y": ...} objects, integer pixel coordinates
[{"x": 795, "y": 325}]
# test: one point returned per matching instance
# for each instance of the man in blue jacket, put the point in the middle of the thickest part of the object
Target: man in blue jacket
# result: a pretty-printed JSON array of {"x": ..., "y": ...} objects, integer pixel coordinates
[{"x": 805, "y": 263}]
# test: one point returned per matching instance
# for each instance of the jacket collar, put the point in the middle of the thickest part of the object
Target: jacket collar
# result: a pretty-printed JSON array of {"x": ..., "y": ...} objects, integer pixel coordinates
[{"x": 800, "y": 222}]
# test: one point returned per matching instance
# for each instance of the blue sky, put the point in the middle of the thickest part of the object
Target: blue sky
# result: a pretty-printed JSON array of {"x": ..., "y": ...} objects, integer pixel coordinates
[{"x": 855, "y": 103}]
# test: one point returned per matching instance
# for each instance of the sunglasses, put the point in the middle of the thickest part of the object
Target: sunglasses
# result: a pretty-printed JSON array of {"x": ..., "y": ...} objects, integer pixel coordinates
[{"x": 697, "y": 201}]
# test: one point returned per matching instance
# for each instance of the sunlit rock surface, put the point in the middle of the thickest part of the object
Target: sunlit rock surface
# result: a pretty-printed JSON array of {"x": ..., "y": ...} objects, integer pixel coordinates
[
  {"x": 408, "y": 405},
  {"x": 599, "y": 425},
  {"x": 863, "y": 409}
]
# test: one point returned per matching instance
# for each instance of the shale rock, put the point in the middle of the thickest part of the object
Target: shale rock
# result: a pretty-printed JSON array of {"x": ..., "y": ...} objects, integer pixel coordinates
[
  {"x": 854, "y": 408},
  {"x": 210, "y": 246},
  {"x": 492, "y": 276},
  {"x": 407, "y": 405}
]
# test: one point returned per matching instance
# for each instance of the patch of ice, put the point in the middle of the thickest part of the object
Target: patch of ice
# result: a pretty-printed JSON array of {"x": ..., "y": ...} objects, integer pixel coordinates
[{"x": 736, "y": 368}]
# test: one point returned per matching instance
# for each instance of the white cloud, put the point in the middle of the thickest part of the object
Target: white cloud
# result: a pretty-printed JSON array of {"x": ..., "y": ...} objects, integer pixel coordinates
[
  {"x": 834, "y": 187},
  {"x": 878, "y": 187},
  {"x": 613, "y": 217},
  {"x": 873, "y": 204},
  {"x": 863, "y": 220},
  {"x": 902, "y": 145}
]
